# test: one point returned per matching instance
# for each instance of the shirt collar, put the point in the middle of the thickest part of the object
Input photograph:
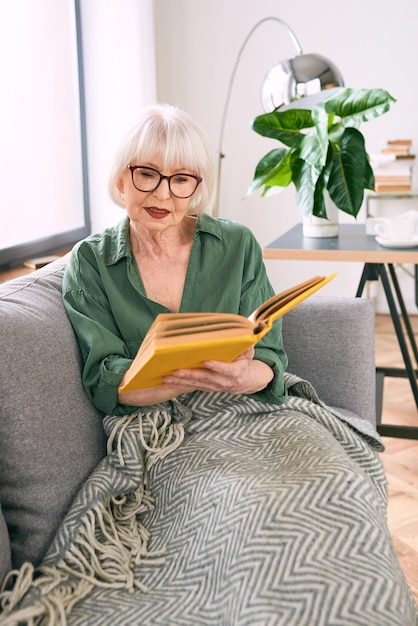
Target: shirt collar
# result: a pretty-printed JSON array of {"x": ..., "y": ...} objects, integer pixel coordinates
[
  {"x": 120, "y": 244},
  {"x": 207, "y": 224}
]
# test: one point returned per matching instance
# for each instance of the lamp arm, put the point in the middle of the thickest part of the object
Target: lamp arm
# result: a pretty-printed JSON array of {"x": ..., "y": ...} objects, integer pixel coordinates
[
  {"x": 230, "y": 85},
  {"x": 238, "y": 59}
]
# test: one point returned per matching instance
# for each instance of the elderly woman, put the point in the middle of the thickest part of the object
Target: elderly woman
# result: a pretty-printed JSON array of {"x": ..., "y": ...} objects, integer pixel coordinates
[
  {"x": 229, "y": 495},
  {"x": 167, "y": 255}
]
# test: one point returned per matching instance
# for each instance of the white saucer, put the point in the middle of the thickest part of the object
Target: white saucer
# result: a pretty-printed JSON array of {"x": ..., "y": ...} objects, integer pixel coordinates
[{"x": 388, "y": 243}]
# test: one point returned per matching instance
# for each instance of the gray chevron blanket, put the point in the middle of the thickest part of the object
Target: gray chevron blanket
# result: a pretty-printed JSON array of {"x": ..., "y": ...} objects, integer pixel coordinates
[{"x": 218, "y": 510}]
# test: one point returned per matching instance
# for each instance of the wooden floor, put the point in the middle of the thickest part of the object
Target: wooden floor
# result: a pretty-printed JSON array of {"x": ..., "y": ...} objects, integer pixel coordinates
[{"x": 401, "y": 455}]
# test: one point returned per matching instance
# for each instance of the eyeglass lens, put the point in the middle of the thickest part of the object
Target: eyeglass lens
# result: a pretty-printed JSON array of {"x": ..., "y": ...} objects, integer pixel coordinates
[{"x": 148, "y": 179}]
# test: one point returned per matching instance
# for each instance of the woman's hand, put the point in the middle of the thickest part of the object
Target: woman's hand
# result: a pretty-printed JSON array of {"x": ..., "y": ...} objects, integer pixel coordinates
[
  {"x": 244, "y": 375},
  {"x": 150, "y": 396}
]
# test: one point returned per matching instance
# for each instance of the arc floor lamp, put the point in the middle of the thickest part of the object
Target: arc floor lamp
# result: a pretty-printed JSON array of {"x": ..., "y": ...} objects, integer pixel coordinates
[{"x": 299, "y": 81}]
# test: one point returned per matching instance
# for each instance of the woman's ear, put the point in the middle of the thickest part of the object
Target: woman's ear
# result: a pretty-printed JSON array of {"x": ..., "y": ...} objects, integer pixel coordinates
[{"x": 121, "y": 187}]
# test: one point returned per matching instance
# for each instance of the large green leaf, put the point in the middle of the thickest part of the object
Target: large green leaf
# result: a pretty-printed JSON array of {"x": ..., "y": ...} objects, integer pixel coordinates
[
  {"x": 322, "y": 120},
  {"x": 313, "y": 151},
  {"x": 272, "y": 170},
  {"x": 369, "y": 177},
  {"x": 355, "y": 106},
  {"x": 284, "y": 126},
  {"x": 319, "y": 207},
  {"x": 305, "y": 177},
  {"x": 348, "y": 173}
]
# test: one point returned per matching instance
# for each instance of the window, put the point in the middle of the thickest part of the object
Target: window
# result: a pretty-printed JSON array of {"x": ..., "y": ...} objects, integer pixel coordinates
[{"x": 43, "y": 174}]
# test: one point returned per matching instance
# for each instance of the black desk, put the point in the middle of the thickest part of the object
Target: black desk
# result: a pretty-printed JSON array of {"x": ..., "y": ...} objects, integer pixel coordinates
[{"x": 354, "y": 245}]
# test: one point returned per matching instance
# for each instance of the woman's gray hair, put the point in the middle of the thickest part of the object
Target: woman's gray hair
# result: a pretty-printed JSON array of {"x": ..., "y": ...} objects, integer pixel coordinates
[{"x": 170, "y": 134}]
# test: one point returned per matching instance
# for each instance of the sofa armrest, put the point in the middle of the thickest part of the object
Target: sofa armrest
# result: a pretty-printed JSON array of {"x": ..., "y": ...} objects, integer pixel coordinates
[
  {"x": 330, "y": 343},
  {"x": 51, "y": 436},
  {"x": 5, "y": 551}
]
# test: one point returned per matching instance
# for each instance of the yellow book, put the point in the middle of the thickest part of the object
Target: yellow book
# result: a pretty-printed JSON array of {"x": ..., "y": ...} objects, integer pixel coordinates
[{"x": 186, "y": 340}]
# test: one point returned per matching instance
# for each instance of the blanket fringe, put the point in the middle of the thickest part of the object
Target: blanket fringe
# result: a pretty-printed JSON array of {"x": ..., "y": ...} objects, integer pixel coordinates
[
  {"x": 48, "y": 609},
  {"x": 109, "y": 544}
]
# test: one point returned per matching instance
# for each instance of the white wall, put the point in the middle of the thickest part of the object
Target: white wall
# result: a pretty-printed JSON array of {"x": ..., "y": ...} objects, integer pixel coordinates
[
  {"x": 197, "y": 42},
  {"x": 118, "y": 50}
]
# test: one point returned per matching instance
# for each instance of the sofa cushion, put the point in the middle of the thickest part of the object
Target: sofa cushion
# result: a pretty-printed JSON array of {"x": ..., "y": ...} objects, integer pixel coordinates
[{"x": 51, "y": 437}]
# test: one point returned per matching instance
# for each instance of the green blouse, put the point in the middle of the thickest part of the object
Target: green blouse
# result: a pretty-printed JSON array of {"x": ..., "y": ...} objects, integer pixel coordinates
[{"x": 107, "y": 305}]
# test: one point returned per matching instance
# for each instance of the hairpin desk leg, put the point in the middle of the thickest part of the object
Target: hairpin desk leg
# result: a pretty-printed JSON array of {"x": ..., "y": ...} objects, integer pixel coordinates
[
  {"x": 374, "y": 271},
  {"x": 416, "y": 285}
]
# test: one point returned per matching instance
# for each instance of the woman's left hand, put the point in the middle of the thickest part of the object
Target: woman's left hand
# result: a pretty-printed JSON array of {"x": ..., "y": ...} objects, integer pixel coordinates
[{"x": 244, "y": 375}]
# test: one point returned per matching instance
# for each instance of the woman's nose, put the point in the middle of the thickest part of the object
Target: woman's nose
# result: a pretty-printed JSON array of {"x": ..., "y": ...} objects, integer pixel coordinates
[{"x": 163, "y": 189}]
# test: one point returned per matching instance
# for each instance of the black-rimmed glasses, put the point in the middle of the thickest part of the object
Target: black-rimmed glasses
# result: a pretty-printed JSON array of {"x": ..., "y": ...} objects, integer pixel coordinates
[{"x": 148, "y": 179}]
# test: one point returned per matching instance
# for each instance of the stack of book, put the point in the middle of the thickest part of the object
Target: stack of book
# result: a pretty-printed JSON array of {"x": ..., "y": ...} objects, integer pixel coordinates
[
  {"x": 399, "y": 148},
  {"x": 392, "y": 167}
]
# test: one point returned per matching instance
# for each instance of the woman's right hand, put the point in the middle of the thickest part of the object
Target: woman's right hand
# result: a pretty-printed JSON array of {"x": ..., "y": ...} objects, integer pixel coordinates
[{"x": 150, "y": 396}]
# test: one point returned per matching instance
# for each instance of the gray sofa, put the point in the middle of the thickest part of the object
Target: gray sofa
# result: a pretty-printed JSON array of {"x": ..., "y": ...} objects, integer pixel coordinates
[{"x": 50, "y": 435}]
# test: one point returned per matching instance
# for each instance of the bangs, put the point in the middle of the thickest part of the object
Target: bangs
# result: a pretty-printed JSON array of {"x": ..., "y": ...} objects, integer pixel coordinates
[{"x": 171, "y": 144}]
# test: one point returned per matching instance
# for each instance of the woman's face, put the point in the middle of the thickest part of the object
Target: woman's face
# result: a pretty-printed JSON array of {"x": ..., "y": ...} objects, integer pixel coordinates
[{"x": 154, "y": 210}]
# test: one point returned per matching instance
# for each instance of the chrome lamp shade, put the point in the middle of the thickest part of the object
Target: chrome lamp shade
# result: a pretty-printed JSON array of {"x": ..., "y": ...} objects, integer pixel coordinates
[{"x": 303, "y": 76}]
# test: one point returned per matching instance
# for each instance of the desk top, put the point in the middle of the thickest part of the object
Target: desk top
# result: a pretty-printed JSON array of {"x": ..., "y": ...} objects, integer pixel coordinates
[{"x": 352, "y": 244}]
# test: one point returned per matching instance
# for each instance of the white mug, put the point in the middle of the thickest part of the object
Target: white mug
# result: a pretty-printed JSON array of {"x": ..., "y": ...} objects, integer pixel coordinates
[{"x": 401, "y": 228}]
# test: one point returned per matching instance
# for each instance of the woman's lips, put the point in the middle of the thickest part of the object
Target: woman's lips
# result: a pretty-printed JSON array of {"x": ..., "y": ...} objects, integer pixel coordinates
[{"x": 156, "y": 213}]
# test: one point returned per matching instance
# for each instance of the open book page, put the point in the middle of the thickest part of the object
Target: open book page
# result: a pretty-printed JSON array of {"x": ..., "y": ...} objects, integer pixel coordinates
[
  {"x": 268, "y": 307},
  {"x": 195, "y": 322},
  {"x": 282, "y": 303}
]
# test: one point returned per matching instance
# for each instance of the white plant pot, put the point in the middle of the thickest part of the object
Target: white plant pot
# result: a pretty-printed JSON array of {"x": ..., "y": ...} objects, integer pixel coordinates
[{"x": 320, "y": 227}]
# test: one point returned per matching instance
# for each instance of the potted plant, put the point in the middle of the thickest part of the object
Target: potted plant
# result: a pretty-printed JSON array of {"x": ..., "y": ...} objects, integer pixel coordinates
[{"x": 325, "y": 150}]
